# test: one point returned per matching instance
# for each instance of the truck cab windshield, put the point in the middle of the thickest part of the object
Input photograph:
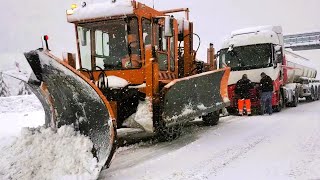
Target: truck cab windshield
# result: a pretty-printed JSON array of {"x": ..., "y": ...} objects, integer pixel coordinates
[
  {"x": 246, "y": 57},
  {"x": 109, "y": 45}
]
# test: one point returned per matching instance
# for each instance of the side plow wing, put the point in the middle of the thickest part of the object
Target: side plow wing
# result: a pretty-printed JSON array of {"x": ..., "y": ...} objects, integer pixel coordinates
[
  {"x": 69, "y": 98},
  {"x": 187, "y": 98}
]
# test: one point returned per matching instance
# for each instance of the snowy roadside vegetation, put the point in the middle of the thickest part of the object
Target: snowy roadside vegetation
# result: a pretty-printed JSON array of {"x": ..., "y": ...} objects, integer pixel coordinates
[{"x": 10, "y": 86}]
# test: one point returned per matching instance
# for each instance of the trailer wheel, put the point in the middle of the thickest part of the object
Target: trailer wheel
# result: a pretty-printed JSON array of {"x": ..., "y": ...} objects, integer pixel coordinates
[
  {"x": 295, "y": 101},
  {"x": 211, "y": 119},
  {"x": 312, "y": 97}
]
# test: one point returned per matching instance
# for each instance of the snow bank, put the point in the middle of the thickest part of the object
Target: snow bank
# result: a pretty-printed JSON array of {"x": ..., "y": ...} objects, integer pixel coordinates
[{"x": 41, "y": 153}]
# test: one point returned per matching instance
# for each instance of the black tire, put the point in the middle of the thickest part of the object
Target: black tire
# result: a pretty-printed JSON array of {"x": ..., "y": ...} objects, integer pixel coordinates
[
  {"x": 211, "y": 119},
  {"x": 279, "y": 107},
  {"x": 309, "y": 98},
  {"x": 164, "y": 133},
  {"x": 169, "y": 133},
  {"x": 232, "y": 110},
  {"x": 316, "y": 94},
  {"x": 295, "y": 101},
  {"x": 312, "y": 97}
]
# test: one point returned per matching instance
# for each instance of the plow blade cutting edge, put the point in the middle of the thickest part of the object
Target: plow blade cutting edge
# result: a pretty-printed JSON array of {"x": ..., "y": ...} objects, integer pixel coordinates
[
  {"x": 195, "y": 96},
  {"x": 71, "y": 99}
]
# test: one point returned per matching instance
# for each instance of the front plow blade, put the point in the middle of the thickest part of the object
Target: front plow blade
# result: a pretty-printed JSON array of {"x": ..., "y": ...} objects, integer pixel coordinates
[
  {"x": 73, "y": 99},
  {"x": 194, "y": 96}
]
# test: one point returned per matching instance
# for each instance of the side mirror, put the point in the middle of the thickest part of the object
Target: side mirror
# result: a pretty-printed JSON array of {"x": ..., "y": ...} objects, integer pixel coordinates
[
  {"x": 232, "y": 53},
  {"x": 217, "y": 54},
  {"x": 277, "y": 48},
  {"x": 275, "y": 65},
  {"x": 168, "y": 26}
]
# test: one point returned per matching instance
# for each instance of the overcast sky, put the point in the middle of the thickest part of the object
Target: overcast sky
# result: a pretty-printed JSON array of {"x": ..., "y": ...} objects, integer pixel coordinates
[{"x": 23, "y": 22}]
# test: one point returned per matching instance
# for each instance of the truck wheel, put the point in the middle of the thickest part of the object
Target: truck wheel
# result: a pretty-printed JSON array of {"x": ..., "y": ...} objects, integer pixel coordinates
[
  {"x": 169, "y": 133},
  {"x": 232, "y": 110},
  {"x": 164, "y": 133},
  {"x": 279, "y": 107},
  {"x": 211, "y": 119}
]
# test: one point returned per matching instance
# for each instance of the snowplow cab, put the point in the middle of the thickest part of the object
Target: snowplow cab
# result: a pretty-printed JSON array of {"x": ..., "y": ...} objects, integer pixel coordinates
[{"x": 113, "y": 41}]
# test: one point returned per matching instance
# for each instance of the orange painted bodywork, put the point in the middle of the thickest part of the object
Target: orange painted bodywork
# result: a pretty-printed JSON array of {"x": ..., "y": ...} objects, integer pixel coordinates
[{"x": 224, "y": 84}]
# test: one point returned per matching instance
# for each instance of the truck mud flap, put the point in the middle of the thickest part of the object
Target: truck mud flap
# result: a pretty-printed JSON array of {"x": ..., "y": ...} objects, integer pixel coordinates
[
  {"x": 71, "y": 99},
  {"x": 187, "y": 98}
]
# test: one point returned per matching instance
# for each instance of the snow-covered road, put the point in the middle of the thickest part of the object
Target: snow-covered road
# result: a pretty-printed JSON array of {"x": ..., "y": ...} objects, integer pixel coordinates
[{"x": 285, "y": 145}]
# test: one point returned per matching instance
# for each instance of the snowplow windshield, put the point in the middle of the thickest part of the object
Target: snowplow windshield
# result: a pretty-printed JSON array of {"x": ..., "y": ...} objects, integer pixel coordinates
[
  {"x": 247, "y": 57},
  {"x": 106, "y": 44}
]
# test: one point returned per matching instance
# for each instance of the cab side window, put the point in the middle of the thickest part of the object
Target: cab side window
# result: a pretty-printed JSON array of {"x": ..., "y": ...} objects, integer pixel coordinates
[
  {"x": 146, "y": 26},
  {"x": 161, "y": 45}
]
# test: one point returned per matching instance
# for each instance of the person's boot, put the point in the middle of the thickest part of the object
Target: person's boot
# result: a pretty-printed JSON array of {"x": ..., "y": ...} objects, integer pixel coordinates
[{"x": 240, "y": 113}]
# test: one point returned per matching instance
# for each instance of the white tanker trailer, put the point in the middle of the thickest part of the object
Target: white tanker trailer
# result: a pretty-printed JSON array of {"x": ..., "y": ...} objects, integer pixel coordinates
[
  {"x": 255, "y": 50},
  {"x": 300, "y": 77}
]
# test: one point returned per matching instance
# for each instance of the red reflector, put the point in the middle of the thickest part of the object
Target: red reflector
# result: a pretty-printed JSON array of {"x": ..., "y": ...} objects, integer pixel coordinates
[{"x": 46, "y": 37}]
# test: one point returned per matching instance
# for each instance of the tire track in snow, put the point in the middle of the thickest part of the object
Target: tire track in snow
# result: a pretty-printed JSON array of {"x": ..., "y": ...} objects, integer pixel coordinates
[{"x": 218, "y": 161}]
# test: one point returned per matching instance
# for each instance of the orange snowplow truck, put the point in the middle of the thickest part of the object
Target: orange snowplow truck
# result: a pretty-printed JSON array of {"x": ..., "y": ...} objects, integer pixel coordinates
[{"x": 136, "y": 70}]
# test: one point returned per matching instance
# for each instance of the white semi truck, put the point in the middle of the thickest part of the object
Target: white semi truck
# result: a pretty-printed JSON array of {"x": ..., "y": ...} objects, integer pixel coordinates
[{"x": 255, "y": 50}]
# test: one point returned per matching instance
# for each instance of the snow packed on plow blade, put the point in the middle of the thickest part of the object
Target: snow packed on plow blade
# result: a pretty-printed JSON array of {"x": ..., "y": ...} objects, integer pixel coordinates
[
  {"x": 197, "y": 95},
  {"x": 72, "y": 100}
]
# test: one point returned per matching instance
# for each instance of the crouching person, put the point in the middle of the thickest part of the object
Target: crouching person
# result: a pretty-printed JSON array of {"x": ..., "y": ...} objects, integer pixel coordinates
[{"x": 242, "y": 91}]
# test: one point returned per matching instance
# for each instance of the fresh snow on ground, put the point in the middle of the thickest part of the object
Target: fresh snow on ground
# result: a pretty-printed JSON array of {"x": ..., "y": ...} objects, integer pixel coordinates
[
  {"x": 39, "y": 153},
  {"x": 19, "y": 111},
  {"x": 282, "y": 146}
]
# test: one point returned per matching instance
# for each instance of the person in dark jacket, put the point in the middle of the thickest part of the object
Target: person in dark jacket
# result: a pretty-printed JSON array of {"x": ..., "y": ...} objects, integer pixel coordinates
[
  {"x": 266, "y": 86},
  {"x": 242, "y": 91}
]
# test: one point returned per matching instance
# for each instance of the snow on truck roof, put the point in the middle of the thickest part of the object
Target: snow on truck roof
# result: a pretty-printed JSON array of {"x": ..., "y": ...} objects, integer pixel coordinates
[
  {"x": 276, "y": 29},
  {"x": 254, "y": 35},
  {"x": 92, "y": 9}
]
